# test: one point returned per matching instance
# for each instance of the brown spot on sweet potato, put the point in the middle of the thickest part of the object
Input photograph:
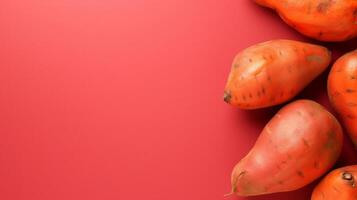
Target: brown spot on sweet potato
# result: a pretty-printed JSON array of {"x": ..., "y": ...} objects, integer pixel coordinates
[
  {"x": 244, "y": 98},
  {"x": 250, "y": 95},
  {"x": 334, "y": 188},
  {"x": 316, "y": 165},
  {"x": 227, "y": 96},
  {"x": 331, "y": 140},
  {"x": 336, "y": 93},
  {"x": 323, "y": 6},
  {"x": 281, "y": 182},
  {"x": 306, "y": 143},
  {"x": 250, "y": 60},
  {"x": 258, "y": 94},
  {"x": 235, "y": 181},
  {"x": 289, "y": 157},
  {"x": 235, "y": 65},
  {"x": 269, "y": 130},
  {"x": 300, "y": 173},
  {"x": 349, "y": 116},
  {"x": 349, "y": 90},
  {"x": 320, "y": 34},
  {"x": 272, "y": 99},
  {"x": 312, "y": 113},
  {"x": 263, "y": 90},
  {"x": 353, "y": 78},
  {"x": 314, "y": 58}
]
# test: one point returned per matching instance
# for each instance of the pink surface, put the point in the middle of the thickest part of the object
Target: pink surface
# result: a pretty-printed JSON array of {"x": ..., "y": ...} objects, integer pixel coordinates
[{"x": 122, "y": 99}]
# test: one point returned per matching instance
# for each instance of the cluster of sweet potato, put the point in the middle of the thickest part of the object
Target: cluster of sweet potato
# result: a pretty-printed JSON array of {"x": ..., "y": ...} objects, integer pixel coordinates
[{"x": 303, "y": 140}]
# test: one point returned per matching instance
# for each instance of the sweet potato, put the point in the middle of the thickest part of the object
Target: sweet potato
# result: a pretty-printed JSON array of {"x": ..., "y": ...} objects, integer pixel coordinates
[
  {"x": 273, "y": 72},
  {"x": 298, "y": 145},
  {"x": 325, "y": 20},
  {"x": 339, "y": 184},
  {"x": 342, "y": 91}
]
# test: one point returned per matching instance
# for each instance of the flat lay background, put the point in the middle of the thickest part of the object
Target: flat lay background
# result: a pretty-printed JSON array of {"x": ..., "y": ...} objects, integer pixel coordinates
[{"x": 122, "y": 99}]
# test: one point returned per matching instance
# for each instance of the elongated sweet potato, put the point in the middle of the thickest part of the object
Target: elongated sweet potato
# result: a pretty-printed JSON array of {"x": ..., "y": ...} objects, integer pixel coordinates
[
  {"x": 273, "y": 72},
  {"x": 339, "y": 184},
  {"x": 342, "y": 90},
  {"x": 298, "y": 145},
  {"x": 325, "y": 20}
]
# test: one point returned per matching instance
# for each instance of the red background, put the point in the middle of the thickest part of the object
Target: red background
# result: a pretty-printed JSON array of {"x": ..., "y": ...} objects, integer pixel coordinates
[{"x": 122, "y": 99}]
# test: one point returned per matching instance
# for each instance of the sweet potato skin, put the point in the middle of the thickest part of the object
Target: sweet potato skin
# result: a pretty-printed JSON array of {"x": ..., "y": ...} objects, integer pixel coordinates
[
  {"x": 298, "y": 145},
  {"x": 273, "y": 72},
  {"x": 342, "y": 91},
  {"x": 340, "y": 184},
  {"x": 325, "y": 20}
]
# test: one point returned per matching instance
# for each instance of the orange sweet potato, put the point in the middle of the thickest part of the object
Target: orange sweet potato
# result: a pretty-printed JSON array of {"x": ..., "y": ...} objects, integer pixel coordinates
[
  {"x": 342, "y": 90},
  {"x": 339, "y": 184},
  {"x": 273, "y": 72},
  {"x": 325, "y": 20},
  {"x": 298, "y": 145}
]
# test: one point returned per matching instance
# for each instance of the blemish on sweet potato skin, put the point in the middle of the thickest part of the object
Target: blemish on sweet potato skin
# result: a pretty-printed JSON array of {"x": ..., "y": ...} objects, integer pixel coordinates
[
  {"x": 227, "y": 97},
  {"x": 323, "y": 6},
  {"x": 314, "y": 58},
  {"x": 350, "y": 116},
  {"x": 306, "y": 143},
  {"x": 316, "y": 165},
  {"x": 349, "y": 90},
  {"x": 330, "y": 144},
  {"x": 300, "y": 173}
]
